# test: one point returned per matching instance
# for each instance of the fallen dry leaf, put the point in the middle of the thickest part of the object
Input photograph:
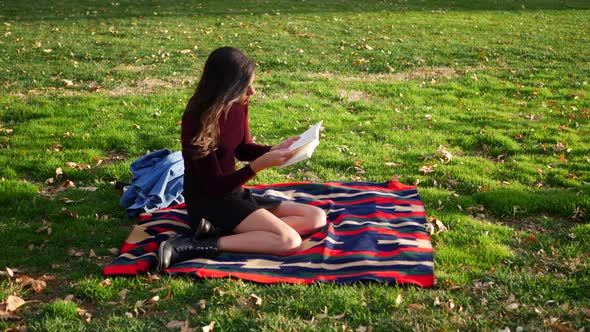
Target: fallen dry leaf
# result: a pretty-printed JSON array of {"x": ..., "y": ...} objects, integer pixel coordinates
[
  {"x": 85, "y": 314},
  {"x": 208, "y": 328},
  {"x": 6, "y": 130},
  {"x": 69, "y": 298},
  {"x": 41, "y": 229},
  {"x": 511, "y": 303},
  {"x": 69, "y": 184},
  {"x": 105, "y": 283},
  {"x": 435, "y": 226},
  {"x": 47, "y": 278},
  {"x": 559, "y": 146},
  {"x": 76, "y": 166},
  {"x": 531, "y": 239},
  {"x": 76, "y": 252},
  {"x": 67, "y": 200},
  {"x": 13, "y": 302},
  {"x": 481, "y": 286},
  {"x": 149, "y": 277},
  {"x": 443, "y": 154},
  {"x": 37, "y": 285},
  {"x": 219, "y": 291},
  {"x": 563, "y": 158},
  {"x": 9, "y": 272},
  {"x": 427, "y": 169},
  {"x": 361, "y": 61},
  {"x": 70, "y": 213},
  {"x": 257, "y": 300}
]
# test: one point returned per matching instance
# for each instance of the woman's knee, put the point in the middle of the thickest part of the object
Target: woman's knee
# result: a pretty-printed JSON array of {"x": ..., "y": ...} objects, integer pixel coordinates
[
  {"x": 290, "y": 243},
  {"x": 317, "y": 217}
]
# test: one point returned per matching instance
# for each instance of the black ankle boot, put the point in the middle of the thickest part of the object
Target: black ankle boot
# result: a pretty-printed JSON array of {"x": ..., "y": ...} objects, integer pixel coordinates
[
  {"x": 203, "y": 229},
  {"x": 183, "y": 247}
]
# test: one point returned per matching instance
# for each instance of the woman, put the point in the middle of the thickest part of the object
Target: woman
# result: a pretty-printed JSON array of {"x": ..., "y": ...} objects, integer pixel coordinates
[{"x": 214, "y": 133}]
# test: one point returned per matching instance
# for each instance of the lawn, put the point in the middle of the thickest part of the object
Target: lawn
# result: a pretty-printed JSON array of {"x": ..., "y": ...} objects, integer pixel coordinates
[{"x": 484, "y": 105}]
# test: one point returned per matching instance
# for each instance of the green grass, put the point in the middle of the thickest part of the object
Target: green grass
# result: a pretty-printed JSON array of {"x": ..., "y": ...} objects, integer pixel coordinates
[{"x": 501, "y": 85}]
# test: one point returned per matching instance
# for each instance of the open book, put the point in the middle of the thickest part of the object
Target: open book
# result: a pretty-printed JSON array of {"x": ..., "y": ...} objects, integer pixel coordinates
[{"x": 305, "y": 145}]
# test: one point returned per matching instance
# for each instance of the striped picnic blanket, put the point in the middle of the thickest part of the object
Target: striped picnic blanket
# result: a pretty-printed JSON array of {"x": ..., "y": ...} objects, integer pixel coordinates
[{"x": 375, "y": 231}]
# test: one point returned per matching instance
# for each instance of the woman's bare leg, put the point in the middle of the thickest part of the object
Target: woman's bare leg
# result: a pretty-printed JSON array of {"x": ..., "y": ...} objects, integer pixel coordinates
[
  {"x": 261, "y": 232},
  {"x": 274, "y": 231},
  {"x": 302, "y": 218}
]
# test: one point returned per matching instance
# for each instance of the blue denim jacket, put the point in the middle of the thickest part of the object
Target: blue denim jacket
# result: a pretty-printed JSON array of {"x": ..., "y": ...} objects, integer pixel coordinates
[{"x": 157, "y": 182}]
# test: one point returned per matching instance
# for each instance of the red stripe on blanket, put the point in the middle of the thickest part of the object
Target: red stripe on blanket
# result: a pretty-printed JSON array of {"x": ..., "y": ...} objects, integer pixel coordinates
[
  {"x": 420, "y": 236},
  {"x": 342, "y": 253},
  {"x": 380, "y": 215},
  {"x": 137, "y": 268},
  {"x": 424, "y": 281}
]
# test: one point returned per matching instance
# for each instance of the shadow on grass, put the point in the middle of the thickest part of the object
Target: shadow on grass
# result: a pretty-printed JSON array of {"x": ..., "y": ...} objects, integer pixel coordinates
[{"x": 50, "y": 10}]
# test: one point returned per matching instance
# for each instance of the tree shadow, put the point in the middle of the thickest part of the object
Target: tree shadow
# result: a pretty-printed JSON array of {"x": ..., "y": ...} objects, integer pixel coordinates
[{"x": 121, "y": 9}]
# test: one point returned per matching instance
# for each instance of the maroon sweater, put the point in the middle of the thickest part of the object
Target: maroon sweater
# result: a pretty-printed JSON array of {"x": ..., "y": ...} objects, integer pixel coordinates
[{"x": 215, "y": 174}]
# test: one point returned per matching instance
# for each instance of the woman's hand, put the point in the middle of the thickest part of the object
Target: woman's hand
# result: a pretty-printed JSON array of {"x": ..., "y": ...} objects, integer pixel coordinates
[
  {"x": 286, "y": 144},
  {"x": 271, "y": 158}
]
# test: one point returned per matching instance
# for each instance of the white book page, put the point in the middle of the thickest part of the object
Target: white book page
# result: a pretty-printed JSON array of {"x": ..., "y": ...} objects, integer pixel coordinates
[
  {"x": 305, "y": 145},
  {"x": 308, "y": 136}
]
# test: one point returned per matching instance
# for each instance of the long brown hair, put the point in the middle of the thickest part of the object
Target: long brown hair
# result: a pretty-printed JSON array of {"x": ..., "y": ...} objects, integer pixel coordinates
[{"x": 226, "y": 76}]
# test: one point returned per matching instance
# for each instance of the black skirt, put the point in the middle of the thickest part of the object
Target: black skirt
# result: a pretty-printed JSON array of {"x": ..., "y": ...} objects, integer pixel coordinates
[{"x": 228, "y": 211}]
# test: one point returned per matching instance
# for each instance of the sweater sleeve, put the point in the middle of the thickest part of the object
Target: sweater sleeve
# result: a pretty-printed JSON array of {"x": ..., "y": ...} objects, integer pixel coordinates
[{"x": 248, "y": 150}]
